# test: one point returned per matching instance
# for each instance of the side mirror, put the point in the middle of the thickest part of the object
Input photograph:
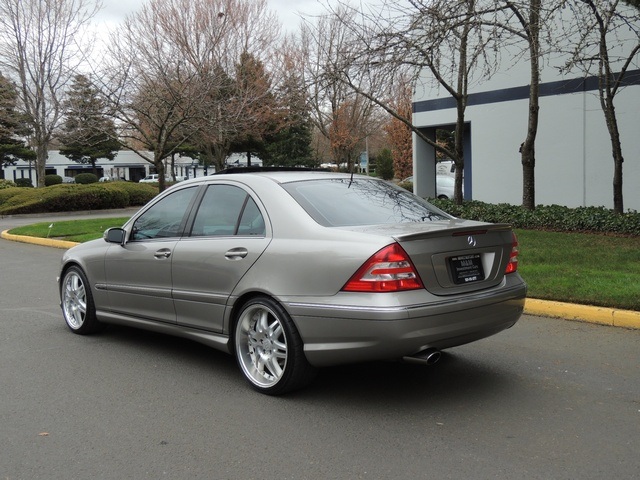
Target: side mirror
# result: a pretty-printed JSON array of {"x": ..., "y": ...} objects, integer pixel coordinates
[{"x": 115, "y": 235}]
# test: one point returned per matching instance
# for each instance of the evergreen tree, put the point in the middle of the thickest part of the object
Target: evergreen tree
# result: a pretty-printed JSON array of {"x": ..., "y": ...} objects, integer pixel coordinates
[
  {"x": 291, "y": 145},
  {"x": 257, "y": 103},
  {"x": 384, "y": 164},
  {"x": 14, "y": 126},
  {"x": 87, "y": 133}
]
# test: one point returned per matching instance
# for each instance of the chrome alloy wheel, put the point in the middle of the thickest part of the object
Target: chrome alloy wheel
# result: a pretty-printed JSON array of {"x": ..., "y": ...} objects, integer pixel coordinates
[
  {"x": 261, "y": 345},
  {"x": 74, "y": 299}
]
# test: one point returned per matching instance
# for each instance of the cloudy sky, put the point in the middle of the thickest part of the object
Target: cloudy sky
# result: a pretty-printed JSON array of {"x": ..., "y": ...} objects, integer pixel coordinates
[{"x": 114, "y": 11}]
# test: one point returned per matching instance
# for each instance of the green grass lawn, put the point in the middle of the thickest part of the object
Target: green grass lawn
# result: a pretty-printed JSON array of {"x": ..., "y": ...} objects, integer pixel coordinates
[
  {"x": 71, "y": 230},
  {"x": 567, "y": 267},
  {"x": 581, "y": 268}
]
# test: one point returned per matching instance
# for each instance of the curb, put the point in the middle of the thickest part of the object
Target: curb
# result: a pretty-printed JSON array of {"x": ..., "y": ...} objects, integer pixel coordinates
[
  {"x": 583, "y": 313},
  {"x": 46, "y": 242},
  {"x": 533, "y": 306}
]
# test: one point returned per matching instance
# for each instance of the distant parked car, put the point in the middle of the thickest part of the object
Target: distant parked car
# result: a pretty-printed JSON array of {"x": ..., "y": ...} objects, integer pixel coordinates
[
  {"x": 153, "y": 178},
  {"x": 68, "y": 180},
  {"x": 445, "y": 186},
  {"x": 446, "y": 167},
  {"x": 291, "y": 271}
]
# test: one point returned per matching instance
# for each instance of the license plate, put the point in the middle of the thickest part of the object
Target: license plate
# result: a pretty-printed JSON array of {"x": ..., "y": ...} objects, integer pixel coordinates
[{"x": 466, "y": 269}]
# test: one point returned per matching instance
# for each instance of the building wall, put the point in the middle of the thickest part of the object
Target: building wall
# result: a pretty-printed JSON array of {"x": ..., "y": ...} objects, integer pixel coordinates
[
  {"x": 574, "y": 164},
  {"x": 126, "y": 165}
]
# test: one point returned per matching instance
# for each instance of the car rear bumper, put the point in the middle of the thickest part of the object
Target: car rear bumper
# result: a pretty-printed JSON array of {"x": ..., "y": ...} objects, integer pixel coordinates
[{"x": 337, "y": 334}]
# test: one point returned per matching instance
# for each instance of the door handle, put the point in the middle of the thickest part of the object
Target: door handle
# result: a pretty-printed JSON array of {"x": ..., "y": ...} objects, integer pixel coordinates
[
  {"x": 162, "y": 253},
  {"x": 236, "y": 253}
]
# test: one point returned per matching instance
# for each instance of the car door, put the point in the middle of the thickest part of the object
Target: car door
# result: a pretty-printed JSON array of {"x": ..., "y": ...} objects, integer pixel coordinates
[
  {"x": 139, "y": 272},
  {"x": 227, "y": 236}
]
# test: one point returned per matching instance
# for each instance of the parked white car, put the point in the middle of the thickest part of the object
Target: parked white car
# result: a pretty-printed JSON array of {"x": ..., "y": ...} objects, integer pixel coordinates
[
  {"x": 154, "y": 178},
  {"x": 150, "y": 178},
  {"x": 445, "y": 186}
]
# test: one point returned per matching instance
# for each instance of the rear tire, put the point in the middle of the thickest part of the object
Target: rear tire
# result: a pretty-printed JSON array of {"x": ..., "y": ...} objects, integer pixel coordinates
[
  {"x": 268, "y": 348},
  {"x": 76, "y": 299}
]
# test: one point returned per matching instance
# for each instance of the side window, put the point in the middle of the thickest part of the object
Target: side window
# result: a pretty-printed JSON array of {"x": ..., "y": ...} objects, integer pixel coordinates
[
  {"x": 226, "y": 210},
  {"x": 252, "y": 222},
  {"x": 164, "y": 219}
]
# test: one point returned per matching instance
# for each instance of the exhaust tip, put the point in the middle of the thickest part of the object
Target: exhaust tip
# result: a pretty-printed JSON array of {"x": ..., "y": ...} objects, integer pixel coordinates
[{"x": 430, "y": 356}]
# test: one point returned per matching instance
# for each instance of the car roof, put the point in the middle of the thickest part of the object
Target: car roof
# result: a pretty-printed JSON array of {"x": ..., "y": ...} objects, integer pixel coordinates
[{"x": 284, "y": 175}]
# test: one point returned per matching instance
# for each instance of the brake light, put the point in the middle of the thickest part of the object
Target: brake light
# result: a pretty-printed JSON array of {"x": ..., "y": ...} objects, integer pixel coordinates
[
  {"x": 388, "y": 270},
  {"x": 512, "y": 266}
]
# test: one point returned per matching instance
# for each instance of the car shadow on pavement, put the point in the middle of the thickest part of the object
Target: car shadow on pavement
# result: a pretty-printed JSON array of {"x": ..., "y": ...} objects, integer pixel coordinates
[{"x": 457, "y": 377}]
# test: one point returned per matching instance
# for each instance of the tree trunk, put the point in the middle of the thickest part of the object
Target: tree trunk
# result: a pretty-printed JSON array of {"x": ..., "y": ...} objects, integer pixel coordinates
[
  {"x": 618, "y": 159},
  {"x": 528, "y": 180},
  {"x": 607, "y": 88},
  {"x": 159, "y": 164},
  {"x": 41, "y": 163},
  {"x": 528, "y": 147}
]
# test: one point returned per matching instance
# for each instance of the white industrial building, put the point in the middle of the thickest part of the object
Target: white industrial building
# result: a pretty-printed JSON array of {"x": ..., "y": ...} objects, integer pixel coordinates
[
  {"x": 574, "y": 164},
  {"x": 127, "y": 165}
]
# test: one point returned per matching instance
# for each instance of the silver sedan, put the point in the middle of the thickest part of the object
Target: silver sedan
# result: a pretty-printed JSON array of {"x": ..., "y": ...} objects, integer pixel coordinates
[{"x": 295, "y": 270}]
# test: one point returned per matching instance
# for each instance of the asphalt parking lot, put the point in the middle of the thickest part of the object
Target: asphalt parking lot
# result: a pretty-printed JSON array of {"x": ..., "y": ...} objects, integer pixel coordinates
[{"x": 545, "y": 399}]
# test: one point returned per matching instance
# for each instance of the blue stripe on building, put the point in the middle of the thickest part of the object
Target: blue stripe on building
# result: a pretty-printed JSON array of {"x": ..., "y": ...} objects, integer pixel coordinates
[{"x": 561, "y": 87}]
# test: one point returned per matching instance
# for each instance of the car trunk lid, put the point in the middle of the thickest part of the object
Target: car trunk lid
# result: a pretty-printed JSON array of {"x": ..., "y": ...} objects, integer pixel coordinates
[{"x": 453, "y": 256}]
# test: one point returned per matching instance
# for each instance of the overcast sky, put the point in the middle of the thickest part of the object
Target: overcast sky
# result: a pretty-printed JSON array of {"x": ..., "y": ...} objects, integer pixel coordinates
[{"x": 114, "y": 11}]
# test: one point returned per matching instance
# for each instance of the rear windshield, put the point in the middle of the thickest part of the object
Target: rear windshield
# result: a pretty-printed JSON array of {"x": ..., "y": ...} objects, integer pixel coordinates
[{"x": 346, "y": 202}]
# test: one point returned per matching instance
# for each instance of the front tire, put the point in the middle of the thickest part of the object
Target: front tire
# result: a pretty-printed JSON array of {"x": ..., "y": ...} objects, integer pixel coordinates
[
  {"x": 78, "y": 307},
  {"x": 269, "y": 349}
]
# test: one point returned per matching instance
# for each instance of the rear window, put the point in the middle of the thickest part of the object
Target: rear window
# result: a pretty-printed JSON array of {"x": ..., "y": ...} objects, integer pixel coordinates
[{"x": 346, "y": 202}]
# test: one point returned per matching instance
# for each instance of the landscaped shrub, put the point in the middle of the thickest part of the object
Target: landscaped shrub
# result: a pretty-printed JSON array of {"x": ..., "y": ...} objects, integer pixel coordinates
[
  {"x": 23, "y": 182},
  {"x": 139, "y": 193},
  {"x": 10, "y": 192},
  {"x": 52, "y": 180},
  {"x": 73, "y": 197},
  {"x": 547, "y": 217},
  {"x": 6, "y": 184},
  {"x": 86, "y": 178},
  {"x": 60, "y": 198},
  {"x": 384, "y": 164}
]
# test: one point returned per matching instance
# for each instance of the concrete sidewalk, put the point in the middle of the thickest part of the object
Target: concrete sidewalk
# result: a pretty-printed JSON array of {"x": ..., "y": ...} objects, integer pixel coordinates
[{"x": 544, "y": 308}]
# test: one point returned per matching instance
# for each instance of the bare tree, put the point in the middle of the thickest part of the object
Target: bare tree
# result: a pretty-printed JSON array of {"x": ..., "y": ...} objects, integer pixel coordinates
[
  {"x": 399, "y": 134},
  {"x": 41, "y": 51},
  {"x": 606, "y": 42},
  {"x": 158, "y": 83},
  {"x": 528, "y": 16},
  {"x": 340, "y": 112},
  {"x": 237, "y": 49},
  {"x": 437, "y": 43},
  {"x": 526, "y": 27},
  {"x": 186, "y": 63}
]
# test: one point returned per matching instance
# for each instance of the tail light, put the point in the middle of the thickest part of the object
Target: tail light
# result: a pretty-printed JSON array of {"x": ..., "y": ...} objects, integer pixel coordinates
[
  {"x": 512, "y": 266},
  {"x": 388, "y": 270}
]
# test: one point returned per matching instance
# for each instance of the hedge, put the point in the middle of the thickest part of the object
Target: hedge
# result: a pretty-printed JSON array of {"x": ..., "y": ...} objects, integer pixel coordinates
[
  {"x": 24, "y": 182},
  {"x": 52, "y": 180},
  {"x": 6, "y": 184},
  {"x": 86, "y": 178},
  {"x": 73, "y": 197},
  {"x": 139, "y": 193},
  {"x": 547, "y": 217}
]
